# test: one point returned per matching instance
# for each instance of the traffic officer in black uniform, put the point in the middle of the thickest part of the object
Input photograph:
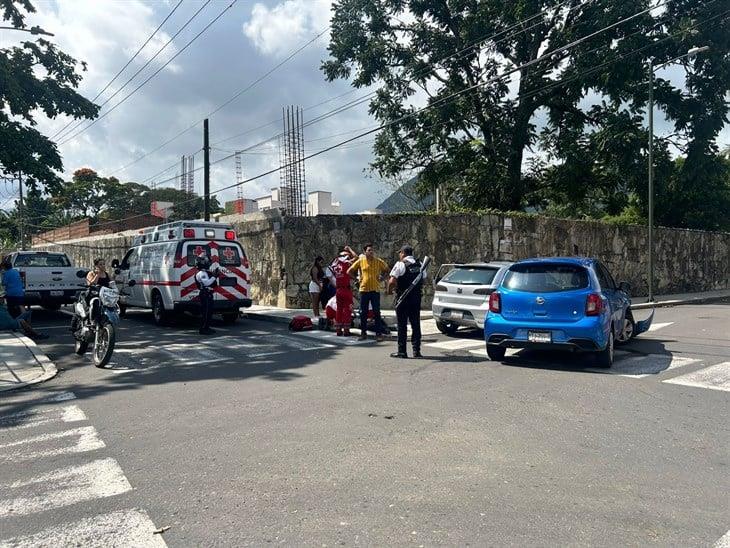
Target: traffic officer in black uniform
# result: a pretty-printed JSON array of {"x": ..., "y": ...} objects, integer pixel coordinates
[
  {"x": 402, "y": 276},
  {"x": 205, "y": 280}
]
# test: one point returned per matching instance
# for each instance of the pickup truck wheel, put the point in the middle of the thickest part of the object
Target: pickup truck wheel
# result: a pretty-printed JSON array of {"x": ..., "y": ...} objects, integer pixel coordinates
[
  {"x": 496, "y": 353},
  {"x": 447, "y": 328},
  {"x": 230, "y": 318},
  {"x": 160, "y": 315},
  {"x": 604, "y": 358}
]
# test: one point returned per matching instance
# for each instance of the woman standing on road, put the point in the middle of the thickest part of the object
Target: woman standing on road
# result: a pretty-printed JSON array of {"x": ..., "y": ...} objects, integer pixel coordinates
[{"x": 316, "y": 274}]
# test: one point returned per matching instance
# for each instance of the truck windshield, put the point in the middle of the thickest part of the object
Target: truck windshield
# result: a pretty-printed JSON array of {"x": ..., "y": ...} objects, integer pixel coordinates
[
  {"x": 469, "y": 275},
  {"x": 546, "y": 278},
  {"x": 30, "y": 260}
]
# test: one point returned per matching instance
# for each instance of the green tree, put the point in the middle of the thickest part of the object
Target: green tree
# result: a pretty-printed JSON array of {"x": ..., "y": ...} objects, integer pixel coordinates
[
  {"x": 35, "y": 76},
  {"x": 476, "y": 141}
]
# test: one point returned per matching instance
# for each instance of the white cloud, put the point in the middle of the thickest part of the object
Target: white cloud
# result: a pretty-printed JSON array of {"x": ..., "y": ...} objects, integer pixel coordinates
[{"x": 277, "y": 31}]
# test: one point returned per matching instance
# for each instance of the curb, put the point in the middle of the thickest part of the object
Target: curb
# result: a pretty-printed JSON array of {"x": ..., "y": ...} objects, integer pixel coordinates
[
  {"x": 679, "y": 302},
  {"x": 49, "y": 368}
]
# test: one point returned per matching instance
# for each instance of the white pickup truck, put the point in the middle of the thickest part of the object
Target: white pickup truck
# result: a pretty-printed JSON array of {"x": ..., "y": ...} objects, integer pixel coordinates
[{"x": 49, "y": 278}]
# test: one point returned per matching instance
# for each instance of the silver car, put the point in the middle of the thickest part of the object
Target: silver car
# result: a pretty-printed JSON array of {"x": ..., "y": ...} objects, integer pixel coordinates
[{"x": 461, "y": 296}]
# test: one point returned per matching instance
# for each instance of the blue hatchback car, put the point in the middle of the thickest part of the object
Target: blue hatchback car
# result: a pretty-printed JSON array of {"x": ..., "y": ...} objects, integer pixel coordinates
[{"x": 559, "y": 303}]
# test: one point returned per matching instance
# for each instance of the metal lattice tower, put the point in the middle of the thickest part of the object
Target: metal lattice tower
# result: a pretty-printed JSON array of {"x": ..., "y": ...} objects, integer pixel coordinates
[
  {"x": 239, "y": 175},
  {"x": 183, "y": 175},
  {"x": 291, "y": 161},
  {"x": 191, "y": 175}
]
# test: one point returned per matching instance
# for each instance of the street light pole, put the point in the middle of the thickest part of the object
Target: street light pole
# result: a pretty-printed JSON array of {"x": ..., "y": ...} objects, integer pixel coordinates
[
  {"x": 691, "y": 53},
  {"x": 650, "y": 280}
]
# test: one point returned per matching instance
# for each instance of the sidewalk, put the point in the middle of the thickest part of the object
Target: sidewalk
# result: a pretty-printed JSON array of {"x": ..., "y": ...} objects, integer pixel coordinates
[
  {"x": 22, "y": 363},
  {"x": 677, "y": 299}
]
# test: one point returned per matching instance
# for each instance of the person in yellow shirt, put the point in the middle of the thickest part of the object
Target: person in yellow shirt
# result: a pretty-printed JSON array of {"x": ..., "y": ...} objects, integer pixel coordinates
[{"x": 371, "y": 270}]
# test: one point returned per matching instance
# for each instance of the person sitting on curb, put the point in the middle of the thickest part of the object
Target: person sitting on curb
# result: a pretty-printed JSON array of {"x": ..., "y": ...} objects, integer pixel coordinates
[{"x": 8, "y": 323}]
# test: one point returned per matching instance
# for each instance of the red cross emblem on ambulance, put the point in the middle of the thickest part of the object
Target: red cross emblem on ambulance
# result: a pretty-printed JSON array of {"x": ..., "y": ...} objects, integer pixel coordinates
[
  {"x": 228, "y": 253},
  {"x": 199, "y": 250}
]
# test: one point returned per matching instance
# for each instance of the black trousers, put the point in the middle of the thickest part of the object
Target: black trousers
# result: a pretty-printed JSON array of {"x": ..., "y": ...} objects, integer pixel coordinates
[
  {"x": 206, "y": 308},
  {"x": 409, "y": 312},
  {"x": 15, "y": 305}
]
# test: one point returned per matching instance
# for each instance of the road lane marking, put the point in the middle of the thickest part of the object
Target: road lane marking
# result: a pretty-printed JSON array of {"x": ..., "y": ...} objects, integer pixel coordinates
[
  {"x": 123, "y": 528},
  {"x": 509, "y": 353},
  {"x": 35, "y": 417},
  {"x": 458, "y": 344},
  {"x": 55, "y": 398},
  {"x": 98, "y": 479},
  {"x": 658, "y": 326},
  {"x": 639, "y": 367},
  {"x": 87, "y": 439},
  {"x": 715, "y": 377},
  {"x": 723, "y": 542}
]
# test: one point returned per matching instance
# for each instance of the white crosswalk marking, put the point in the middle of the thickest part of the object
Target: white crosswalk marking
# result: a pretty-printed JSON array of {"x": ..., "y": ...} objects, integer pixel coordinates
[
  {"x": 638, "y": 367},
  {"x": 97, "y": 479},
  {"x": 458, "y": 344},
  {"x": 35, "y": 417},
  {"x": 82, "y": 439},
  {"x": 723, "y": 542},
  {"x": 482, "y": 352},
  {"x": 658, "y": 326},
  {"x": 119, "y": 529},
  {"x": 715, "y": 377}
]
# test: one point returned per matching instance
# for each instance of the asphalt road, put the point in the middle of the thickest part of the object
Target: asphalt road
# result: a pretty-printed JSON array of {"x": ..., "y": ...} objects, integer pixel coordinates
[{"x": 257, "y": 436}]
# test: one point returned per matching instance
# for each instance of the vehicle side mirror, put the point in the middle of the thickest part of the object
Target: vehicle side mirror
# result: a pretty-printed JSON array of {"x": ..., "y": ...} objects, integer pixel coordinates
[
  {"x": 115, "y": 263},
  {"x": 131, "y": 283},
  {"x": 81, "y": 273},
  {"x": 625, "y": 287}
]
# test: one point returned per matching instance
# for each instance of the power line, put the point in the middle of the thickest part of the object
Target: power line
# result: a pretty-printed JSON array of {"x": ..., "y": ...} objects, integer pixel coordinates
[
  {"x": 229, "y": 101},
  {"x": 456, "y": 94},
  {"x": 361, "y": 100},
  {"x": 63, "y": 129},
  {"x": 135, "y": 90}
]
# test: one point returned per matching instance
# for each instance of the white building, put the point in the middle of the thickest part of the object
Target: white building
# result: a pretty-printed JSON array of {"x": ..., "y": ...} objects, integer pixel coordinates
[
  {"x": 275, "y": 200},
  {"x": 320, "y": 202}
]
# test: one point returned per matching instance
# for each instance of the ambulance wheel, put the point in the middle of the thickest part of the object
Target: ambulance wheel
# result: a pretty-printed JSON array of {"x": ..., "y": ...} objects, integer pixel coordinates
[
  {"x": 160, "y": 315},
  {"x": 230, "y": 317}
]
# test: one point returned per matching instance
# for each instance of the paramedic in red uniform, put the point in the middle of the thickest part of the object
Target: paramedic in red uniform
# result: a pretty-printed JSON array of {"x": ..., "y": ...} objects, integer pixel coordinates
[
  {"x": 206, "y": 281},
  {"x": 343, "y": 294}
]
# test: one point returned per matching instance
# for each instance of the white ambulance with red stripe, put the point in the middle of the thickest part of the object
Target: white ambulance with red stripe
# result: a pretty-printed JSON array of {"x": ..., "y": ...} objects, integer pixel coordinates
[{"x": 162, "y": 263}]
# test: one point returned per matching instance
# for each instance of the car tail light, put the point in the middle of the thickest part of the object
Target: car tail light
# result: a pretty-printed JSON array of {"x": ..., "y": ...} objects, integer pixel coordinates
[
  {"x": 495, "y": 302},
  {"x": 483, "y": 291},
  {"x": 188, "y": 233},
  {"x": 440, "y": 287},
  {"x": 594, "y": 304},
  {"x": 230, "y": 235}
]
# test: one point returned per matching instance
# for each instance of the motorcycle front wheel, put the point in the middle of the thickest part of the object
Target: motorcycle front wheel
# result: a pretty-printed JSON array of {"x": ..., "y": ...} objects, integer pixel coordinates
[{"x": 104, "y": 344}]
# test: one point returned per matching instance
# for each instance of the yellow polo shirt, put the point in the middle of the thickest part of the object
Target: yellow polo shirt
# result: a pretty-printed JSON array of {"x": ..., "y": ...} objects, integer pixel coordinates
[{"x": 370, "y": 271}]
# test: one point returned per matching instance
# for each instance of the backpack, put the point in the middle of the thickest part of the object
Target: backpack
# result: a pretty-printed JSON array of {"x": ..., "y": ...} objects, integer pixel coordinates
[{"x": 300, "y": 323}]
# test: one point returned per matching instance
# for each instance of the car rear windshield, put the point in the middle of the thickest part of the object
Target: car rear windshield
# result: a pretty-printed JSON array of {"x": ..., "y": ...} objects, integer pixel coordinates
[
  {"x": 53, "y": 260},
  {"x": 471, "y": 275},
  {"x": 546, "y": 278}
]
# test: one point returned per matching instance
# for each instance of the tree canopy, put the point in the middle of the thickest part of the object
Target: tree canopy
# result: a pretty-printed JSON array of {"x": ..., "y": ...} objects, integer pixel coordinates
[
  {"x": 564, "y": 131},
  {"x": 35, "y": 76}
]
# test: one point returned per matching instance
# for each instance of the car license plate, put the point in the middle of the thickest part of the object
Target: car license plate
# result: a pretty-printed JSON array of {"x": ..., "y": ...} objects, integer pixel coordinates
[
  {"x": 539, "y": 336},
  {"x": 56, "y": 293}
]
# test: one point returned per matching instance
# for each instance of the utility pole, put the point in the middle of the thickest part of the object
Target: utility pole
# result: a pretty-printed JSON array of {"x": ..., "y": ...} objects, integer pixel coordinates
[
  {"x": 206, "y": 170},
  {"x": 650, "y": 274},
  {"x": 21, "y": 212}
]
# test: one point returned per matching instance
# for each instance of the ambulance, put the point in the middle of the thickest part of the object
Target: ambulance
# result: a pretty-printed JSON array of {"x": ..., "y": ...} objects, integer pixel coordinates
[{"x": 162, "y": 263}]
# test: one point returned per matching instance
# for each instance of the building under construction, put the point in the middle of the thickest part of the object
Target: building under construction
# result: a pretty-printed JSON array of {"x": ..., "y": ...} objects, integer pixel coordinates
[{"x": 291, "y": 162}]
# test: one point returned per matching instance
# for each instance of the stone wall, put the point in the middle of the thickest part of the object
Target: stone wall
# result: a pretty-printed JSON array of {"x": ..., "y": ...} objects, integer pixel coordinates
[{"x": 282, "y": 249}]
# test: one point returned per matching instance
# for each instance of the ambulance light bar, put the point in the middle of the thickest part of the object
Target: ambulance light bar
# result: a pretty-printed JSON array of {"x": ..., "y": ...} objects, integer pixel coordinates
[
  {"x": 230, "y": 235},
  {"x": 209, "y": 233}
]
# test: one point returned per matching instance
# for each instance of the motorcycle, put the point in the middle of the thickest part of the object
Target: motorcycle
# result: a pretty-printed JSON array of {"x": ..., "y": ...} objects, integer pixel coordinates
[{"x": 96, "y": 313}]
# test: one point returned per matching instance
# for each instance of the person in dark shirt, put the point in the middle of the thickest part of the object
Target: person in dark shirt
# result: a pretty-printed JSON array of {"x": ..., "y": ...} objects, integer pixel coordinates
[
  {"x": 13, "y": 285},
  {"x": 402, "y": 276}
]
